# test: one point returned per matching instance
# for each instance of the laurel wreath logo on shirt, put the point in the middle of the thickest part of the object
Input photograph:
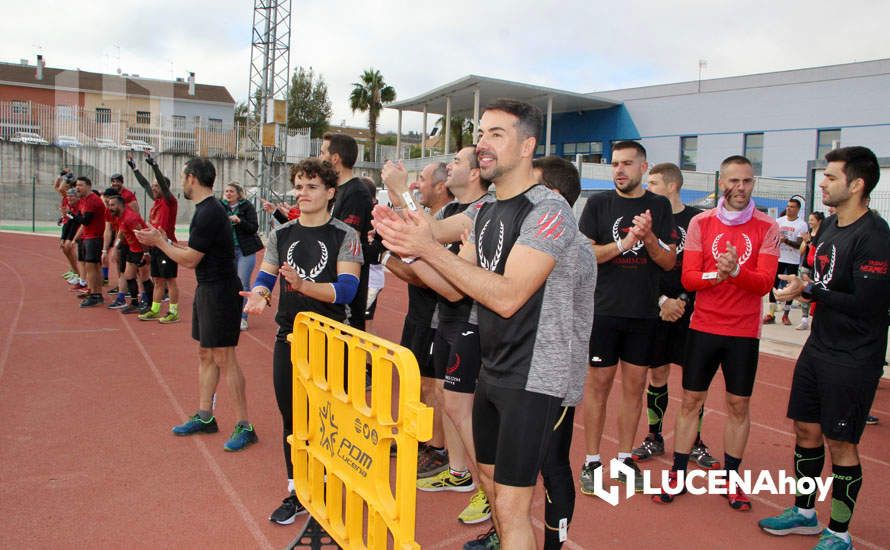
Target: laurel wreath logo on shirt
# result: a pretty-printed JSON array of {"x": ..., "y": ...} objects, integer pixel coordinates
[
  {"x": 633, "y": 250},
  {"x": 682, "y": 244},
  {"x": 484, "y": 263},
  {"x": 315, "y": 271},
  {"x": 749, "y": 248},
  {"x": 818, "y": 278}
]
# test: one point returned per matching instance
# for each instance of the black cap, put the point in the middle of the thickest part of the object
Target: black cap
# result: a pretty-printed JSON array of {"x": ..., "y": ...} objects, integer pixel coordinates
[
  {"x": 117, "y": 177},
  {"x": 110, "y": 192}
]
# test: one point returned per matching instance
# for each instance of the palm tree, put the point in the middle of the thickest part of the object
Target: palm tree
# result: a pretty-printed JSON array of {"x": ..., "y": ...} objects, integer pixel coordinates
[
  {"x": 369, "y": 95},
  {"x": 461, "y": 129}
]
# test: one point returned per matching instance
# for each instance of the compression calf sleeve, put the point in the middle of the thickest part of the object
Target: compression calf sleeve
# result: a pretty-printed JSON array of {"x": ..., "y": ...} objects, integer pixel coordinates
[
  {"x": 808, "y": 462},
  {"x": 844, "y": 490}
]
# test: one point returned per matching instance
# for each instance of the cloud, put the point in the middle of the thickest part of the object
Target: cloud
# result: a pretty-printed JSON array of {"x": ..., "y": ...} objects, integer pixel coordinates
[{"x": 574, "y": 45}]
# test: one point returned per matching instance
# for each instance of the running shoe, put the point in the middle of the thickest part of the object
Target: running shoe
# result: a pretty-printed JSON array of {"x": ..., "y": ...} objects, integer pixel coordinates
[
  {"x": 169, "y": 318},
  {"x": 769, "y": 319},
  {"x": 830, "y": 541},
  {"x": 78, "y": 287},
  {"x": 68, "y": 274},
  {"x": 241, "y": 438},
  {"x": 653, "y": 445},
  {"x": 477, "y": 511},
  {"x": 702, "y": 456},
  {"x": 288, "y": 511},
  {"x": 638, "y": 477},
  {"x": 667, "y": 498},
  {"x": 785, "y": 320},
  {"x": 117, "y": 304},
  {"x": 129, "y": 309},
  {"x": 738, "y": 500},
  {"x": 790, "y": 522},
  {"x": 871, "y": 420},
  {"x": 91, "y": 301},
  {"x": 585, "y": 480},
  {"x": 243, "y": 323},
  {"x": 431, "y": 462},
  {"x": 445, "y": 481},
  {"x": 150, "y": 316},
  {"x": 195, "y": 425},
  {"x": 75, "y": 281},
  {"x": 485, "y": 541},
  {"x": 804, "y": 324},
  {"x": 143, "y": 307},
  {"x": 113, "y": 291}
]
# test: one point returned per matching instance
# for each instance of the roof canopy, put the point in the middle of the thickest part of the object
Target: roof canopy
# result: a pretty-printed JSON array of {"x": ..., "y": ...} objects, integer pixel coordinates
[{"x": 462, "y": 97}]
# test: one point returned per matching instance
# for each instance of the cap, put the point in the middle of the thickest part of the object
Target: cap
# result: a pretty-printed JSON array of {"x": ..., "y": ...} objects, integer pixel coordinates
[{"x": 117, "y": 177}]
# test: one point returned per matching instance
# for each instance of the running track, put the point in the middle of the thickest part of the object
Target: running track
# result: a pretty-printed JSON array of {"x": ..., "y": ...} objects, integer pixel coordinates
[{"x": 87, "y": 459}]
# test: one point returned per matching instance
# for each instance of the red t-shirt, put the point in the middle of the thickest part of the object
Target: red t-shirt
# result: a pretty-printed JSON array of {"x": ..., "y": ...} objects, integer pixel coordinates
[
  {"x": 732, "y": 307},
  {"x": 127, "y": 195},
  {"x": 96, "y": 228},
  {"x": 163, "y": 216},
  {"x": 115, "y": 222},
  {"x": 128, "y": 222}
]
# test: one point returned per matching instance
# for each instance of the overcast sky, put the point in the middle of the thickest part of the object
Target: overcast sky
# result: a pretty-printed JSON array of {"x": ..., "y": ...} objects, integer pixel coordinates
[{"x": 580, "y": 46}]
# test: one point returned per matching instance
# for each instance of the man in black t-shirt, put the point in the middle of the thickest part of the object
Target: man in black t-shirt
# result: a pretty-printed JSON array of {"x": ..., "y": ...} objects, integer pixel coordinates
[
  {"x": 633, "y": 236},
  {"x": 675, "y": 310},
  {"x": 216, "y": 311},
  {"x": 352, "y": 206},
  {"x": 841, "y": 363}
]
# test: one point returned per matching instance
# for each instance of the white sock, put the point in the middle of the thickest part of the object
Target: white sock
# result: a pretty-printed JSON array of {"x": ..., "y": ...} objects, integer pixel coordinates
[
  {"x": 807, "y": 512},
  {"x": 845, "y": 535},
  {"x": 622, "y": 456},
  {"x": 290, "y": 485},
  {"x": 591, "y": 458}
]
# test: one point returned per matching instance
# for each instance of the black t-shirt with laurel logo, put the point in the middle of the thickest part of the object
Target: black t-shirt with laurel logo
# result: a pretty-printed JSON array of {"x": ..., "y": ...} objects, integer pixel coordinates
[
  {"x": 627, "y": 285},
  {"x": 313, "y": 252},
  {"x": 670, "y": 280},
  {"x": 852, "y": 292}
]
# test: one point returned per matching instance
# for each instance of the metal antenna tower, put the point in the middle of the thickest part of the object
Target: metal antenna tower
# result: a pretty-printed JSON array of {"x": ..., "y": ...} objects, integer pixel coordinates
[{"x": 269, "y": 80}]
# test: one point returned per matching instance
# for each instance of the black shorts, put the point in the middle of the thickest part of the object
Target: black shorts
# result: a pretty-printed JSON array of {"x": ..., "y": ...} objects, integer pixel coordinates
[
  {"x": 137, "y": 258},
  {"x": 419, "y": 339},
  {"x": 90, "y": 250},
  {"x": 162, "y": 266},
  {"x": 512, "y": 430},
  {"x": 461, "y": 370},
  {"x": 836, "y": 397},
  {"x": 736, "y": 355},
  {"x": 614, "y": 338},
  {"x": 69, "y": 229},
  {"x": 216, "y": 314},
  {"x": 783, "y": 269},
  {"x": 669, "y": 344}
]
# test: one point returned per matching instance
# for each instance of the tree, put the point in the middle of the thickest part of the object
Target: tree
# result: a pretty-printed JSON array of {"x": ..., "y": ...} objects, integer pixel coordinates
[
  {"x": 308, "y": 105},
  {"x": 369, "y": 95},
  {"x": 461, "y": 131},
  {"x": 241, "y": 113}
]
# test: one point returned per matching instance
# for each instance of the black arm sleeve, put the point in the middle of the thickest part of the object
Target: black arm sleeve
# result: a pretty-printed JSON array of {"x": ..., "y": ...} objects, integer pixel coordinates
[
  {"x": 868, "y": 298},
  {"x": 249, "y": 223},
  {"x": 279, "y": 216},
  {"x": 162, "y": 181},
  {"x": 142, "y": 181}
]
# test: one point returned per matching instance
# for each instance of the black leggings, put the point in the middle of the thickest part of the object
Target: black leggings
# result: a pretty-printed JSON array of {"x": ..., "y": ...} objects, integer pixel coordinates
[
  {"x": 559, "y": 482},
  {"x": 282, "y": 377}
]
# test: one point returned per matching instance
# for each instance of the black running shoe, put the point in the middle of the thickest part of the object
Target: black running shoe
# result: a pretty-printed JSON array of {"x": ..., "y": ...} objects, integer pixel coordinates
[
  {"x": 288, "y": 511},
  {"x": 871, "y": 420},
  {"x": 91, "y": 301},
  {"x": 113, "y": 291}
]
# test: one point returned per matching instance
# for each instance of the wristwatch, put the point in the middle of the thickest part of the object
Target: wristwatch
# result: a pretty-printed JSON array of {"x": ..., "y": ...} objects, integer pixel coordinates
[{"x": 807, "y": 292}]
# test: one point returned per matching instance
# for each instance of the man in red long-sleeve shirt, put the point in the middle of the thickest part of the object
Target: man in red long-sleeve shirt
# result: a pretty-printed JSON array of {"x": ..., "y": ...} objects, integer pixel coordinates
[{"x": 730, "y": 261}]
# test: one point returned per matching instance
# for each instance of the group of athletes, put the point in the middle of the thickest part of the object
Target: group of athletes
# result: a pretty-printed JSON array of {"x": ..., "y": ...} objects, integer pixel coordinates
[{"x": 512, "y": 300}]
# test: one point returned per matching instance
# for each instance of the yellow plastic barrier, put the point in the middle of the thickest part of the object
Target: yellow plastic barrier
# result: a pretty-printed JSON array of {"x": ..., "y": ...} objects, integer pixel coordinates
[{"x": 341, "y": 441}]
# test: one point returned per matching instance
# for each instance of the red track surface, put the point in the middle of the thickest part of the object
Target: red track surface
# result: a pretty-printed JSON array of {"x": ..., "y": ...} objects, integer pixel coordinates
[{"x": 87, "y": 459}]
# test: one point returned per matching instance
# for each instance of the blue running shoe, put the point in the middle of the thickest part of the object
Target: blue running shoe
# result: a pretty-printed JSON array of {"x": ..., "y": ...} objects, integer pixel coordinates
[
  {"x": 790, "y": 522},
  {"x": 241, "y": 438},
  {"x": 830, "y": 541},
  {"x": 195, "y": 425}
]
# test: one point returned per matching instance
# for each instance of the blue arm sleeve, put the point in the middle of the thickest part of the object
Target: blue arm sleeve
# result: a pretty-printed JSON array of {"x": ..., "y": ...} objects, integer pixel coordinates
[
  {"x": 345, "y": 288},
  {"x": 265, "y": 279}
]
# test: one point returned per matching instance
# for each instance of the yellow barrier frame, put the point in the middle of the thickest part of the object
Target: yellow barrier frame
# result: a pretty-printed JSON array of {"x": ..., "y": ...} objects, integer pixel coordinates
[{"x": 341, "y": 443}]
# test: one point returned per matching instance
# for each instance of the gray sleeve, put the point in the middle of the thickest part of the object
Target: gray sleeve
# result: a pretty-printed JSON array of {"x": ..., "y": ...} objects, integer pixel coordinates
[
  {"x": 550, "y": 227},
  {"x": 271, "y": 254},
  {"x": 350, "y": 248}
]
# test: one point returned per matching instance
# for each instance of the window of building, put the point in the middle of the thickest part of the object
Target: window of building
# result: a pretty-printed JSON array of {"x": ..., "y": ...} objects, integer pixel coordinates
[
  {"x": 214, "y": 124},
  {"x": 103, "y": 114},
  {"x": 540, "y": 150},
  {"x": 828, "y": 139},
  {"x": 143, "y": 117},
  {"x": 178, "y": 121},
  {"x": 754, "y": 152},
  {"x": 21, "y": 107},
  {"x": 590, "y": 151},
  {"x": 688, "y": 152}
]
